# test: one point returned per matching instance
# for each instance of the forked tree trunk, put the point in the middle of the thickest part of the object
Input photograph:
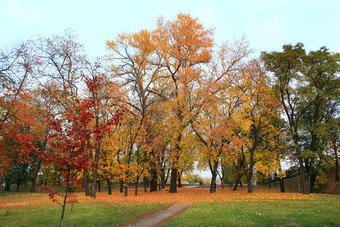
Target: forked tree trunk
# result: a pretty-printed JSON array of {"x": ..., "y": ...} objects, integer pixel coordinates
[
  {"x": 166, "y": 179},
  {"x": 213, "y": 177},
  {"x": 238, "y": 180}
]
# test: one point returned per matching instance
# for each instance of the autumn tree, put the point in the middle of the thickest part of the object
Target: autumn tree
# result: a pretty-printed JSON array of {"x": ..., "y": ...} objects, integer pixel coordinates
[
  {"x": 21, "y": 124},
  {"x": 135, "y": 64},
  {"x": 304, "y": 85},
  {"x": 216, "y": 125},
  {"x": 261, "y": 112},
  {"x": 183, "y": 45}
]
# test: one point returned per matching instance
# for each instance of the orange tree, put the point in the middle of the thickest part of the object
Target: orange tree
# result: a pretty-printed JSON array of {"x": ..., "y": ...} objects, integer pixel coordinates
[{"x": 183, "y": 45}]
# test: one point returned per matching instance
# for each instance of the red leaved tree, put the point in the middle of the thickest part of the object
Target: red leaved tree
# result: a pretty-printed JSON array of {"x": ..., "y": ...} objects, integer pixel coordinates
[{"x": 73, "y": 136}]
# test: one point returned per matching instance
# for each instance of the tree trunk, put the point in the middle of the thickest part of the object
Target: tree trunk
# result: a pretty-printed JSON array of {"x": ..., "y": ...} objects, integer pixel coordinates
[
  {"x": 239, "y": 176},
  {"x": 221, "y": 178},
  {"x": 308, "y": 178},
  {"x": 65, "y": 198},
  {"x": 99, "y": 185},
  {"x": 34, "y": 186},
  {"x": 7, "y": 186},
  {"x": 282, "y": 185},
  {"x": 121, "y": 186},
  {"x": 235, "y": 185},
  {"x": 179, "y": 179},
  {"x": 250, "y": 174},
  {"x": 213, "y": 178},
  {"x": 109, "y": 188},
  {"x": 145, "y": 181},
  {"x": 336, "y": 166},
  {"x": 34, "y": 179},
  {"x": 162, "y": 175},
  {"x": 94, "y": 183},
  {"x": 298, "y": 180},
  {"x": 173, "y": 181},
  {"x": 136, "y": 188},
  {"x": 166, "y": 179},
  {"x": 153, "y": 182},
  {"x": 125, "y": 190}
]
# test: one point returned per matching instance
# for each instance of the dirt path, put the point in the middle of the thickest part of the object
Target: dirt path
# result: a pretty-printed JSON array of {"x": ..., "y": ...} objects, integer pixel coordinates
[{"x": 161, "y": 217}]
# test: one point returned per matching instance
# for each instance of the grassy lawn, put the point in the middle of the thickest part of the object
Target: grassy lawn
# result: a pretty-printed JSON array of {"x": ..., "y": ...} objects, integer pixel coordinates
[
  {"x": 324, "y": 211},
  {"x": 24, "y": 210}
]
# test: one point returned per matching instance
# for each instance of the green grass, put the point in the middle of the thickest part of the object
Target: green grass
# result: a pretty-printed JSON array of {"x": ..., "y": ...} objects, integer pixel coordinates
[
  {"x": 86, "y": 214},
  {"x": 320, "y": 212}
]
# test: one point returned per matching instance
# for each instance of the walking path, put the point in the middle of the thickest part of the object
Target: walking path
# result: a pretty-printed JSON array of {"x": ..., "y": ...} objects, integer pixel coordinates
[{"x": 160, "y": 217}]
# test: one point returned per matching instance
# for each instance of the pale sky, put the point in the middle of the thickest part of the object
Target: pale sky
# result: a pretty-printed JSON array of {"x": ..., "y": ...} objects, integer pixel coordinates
[{"x": 267, "y": 24}]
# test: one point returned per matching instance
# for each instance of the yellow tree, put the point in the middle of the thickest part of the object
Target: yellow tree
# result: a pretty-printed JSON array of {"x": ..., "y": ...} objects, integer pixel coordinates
[
  {"x": 135, "y": 64},
  {"x": 261, "y": 111}
]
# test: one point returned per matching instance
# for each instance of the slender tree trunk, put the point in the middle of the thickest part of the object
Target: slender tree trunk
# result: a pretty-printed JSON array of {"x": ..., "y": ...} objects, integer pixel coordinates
[
  {"x": 336, "y": 170},
  {"x": 336, "y": 159},
  {"x": 65, "y": 198},
  {"x": 250, "y": 175},
  {"x": 298, "y": 180},
  {"x": 221, "y": 178},
  {"x": 109, "y": 188},
  {"x": 145, "y": 181},
  {"x": 162, "y": 178},
  {"x": 173, "y": 181},
  {"x": 136, "y": 188},
  {"x": 95, "y": 170}
]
